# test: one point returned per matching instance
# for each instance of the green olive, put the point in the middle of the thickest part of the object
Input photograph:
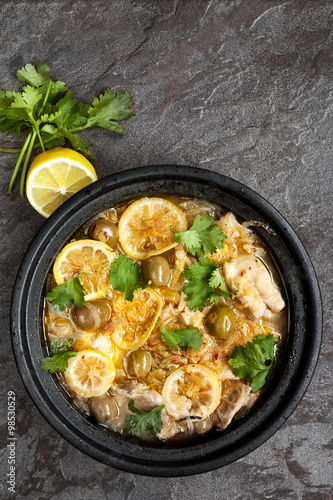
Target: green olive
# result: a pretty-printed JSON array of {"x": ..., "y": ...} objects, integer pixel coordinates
[
  {"x": 156, "y": 270},
  {"x": 92, "y": 315},
  {"x": 104, "y": 230},
  {"x": 104, "y": 408},
  {"x": 138, "y": 363},
  {"x": 221, "y": 321}
]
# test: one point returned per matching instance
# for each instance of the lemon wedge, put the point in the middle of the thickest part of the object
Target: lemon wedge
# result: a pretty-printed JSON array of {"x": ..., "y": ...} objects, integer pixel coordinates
[{"x": 54, "y": 176}]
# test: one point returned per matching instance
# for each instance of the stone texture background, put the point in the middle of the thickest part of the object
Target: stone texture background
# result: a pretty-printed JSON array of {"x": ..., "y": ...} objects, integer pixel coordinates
[{"x": 240, "y": 87}]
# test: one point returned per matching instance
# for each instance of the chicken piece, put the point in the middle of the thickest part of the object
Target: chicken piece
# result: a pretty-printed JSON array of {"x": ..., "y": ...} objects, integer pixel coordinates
[
  {"x": 171, "y": 427},
  {"x": 235, "y": 231},
  {"x": 190, "y": 318},
  {"x": 235, "y": 396},
  {"x": 145, "y": 399},
  {"x": 239, "y": 237},
  {"x": 255, "y": 289},
  {"x": 111, "y": 408},
  {"x": 181, "y": 429}
]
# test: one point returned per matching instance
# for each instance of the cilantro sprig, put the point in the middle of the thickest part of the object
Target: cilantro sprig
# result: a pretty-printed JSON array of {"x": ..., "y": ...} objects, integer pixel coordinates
[
  {"x": 254, "y": 360},
  {"x": 66, "y": 295},
  {"x": 203, "y": 237},
  {"x": 54, "y": 122},
  {"x": 204, "y": 285},
  {"x": 144, "y": 422},
  {"x": 60, "y": 354},
  {"x": 125, "y": 276},
  {"x": 183, "y": 338}
]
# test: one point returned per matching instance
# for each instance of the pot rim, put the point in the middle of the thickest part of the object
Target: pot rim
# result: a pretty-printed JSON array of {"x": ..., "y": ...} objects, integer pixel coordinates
[{"x": 288, "y": 387}]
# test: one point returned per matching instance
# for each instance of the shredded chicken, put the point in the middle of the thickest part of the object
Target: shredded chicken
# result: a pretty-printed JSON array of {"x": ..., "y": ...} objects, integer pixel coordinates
[
  {"x": 255, "y": 288},
  {"x": 235, "y": 396}
]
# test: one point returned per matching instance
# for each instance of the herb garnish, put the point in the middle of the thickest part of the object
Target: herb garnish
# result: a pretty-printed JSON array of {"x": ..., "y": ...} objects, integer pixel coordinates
[
  {"x": 125, "y": 276},
  {"x": 254, "y": 360},
  {"x": 60, "y": 354},
  {"x": 204, "y": 285},
  {"x": 144, "y": 422},
  {"x": 203, "y": 237},
  {"x": 53, "y": 123},
  {"x": 66, "y": 295},
  {"x": 182, "y": 338}
]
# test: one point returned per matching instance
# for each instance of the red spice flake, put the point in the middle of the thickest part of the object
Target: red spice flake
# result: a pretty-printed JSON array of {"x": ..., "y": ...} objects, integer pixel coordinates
[
  {"x": 113, "y": 314},
  {"x": 216, "y": 356},
  {"x": 82, "y": 357},
  {"x": 243, "y": 272},
  {"x": 177, "y": 360}
]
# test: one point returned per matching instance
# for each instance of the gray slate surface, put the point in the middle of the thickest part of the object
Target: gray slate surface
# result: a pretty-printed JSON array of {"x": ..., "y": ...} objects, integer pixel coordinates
[{"x": 240, "y": 87}]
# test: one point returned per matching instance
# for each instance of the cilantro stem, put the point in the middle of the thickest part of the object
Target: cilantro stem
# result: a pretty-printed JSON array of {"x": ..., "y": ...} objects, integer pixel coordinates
[
  {"x": 36, "y": 129},
  {"x": 40, "y": 139},
  {"x": 19, "y": 150},
  {"x": 18, "y": 163},
  {"x": 25, "y": 165},
  {"x": 45, "y": 98},
  {"x": 10, "y": 150},
  {"x": 36, "y": 124}
]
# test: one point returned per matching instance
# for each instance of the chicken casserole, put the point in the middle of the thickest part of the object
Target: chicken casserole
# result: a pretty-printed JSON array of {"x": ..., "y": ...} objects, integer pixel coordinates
[{"x": 168, "y": 302}]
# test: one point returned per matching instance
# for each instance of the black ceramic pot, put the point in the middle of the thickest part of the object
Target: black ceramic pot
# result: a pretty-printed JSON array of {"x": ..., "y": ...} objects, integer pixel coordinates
[{"x": 286, "y": 388}]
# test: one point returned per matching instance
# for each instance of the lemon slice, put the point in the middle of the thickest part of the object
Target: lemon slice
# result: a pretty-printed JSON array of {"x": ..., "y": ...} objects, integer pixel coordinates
[
  {"x": 146, "y": 227},
  {"x": 90, "y": 373},
  {"x": 132, "y": 322},
  {"x": 91, "y": 260},
  {"x": 191, "y": 391},
  {"x": 54, "y": 176}
]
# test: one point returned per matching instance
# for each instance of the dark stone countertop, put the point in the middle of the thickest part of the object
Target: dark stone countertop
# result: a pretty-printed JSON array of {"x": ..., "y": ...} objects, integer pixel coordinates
[{"x": 240, "y": 87}]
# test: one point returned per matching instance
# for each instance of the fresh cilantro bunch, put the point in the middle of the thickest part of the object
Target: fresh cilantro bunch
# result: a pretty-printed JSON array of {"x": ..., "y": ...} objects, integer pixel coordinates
[
  {"x": 184, "y": 338},
  {"x": 144, "y": 422},
  {"x": 60, "y": 354},
  {"x": 203, "y": 237},
  {"x": 204, "y": 284},
  {"x": 125, "y": 276},
  {"x": 254, "y": 360},
  {"x": 66, "y": 295},
  {"x": 53, "y": 122}
]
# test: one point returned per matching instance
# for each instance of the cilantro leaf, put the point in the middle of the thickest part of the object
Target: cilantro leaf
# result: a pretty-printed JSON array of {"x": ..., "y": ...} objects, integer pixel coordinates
[
  {"x": 184, "y": 338},
  {"x": 66, "y": 295},
  {"x": 12, "y": 120},
  {"x": 190, "y": 239},
  {"x": 203, "y": 237},
  {"x": 60, "y": 354},
  {"x": 254, "y": 360},
  {"x": 109, "y": 107},
  {"x": 204, "y": 286},
  {"x": 38, "y": 78},
  {"x": 125, "y": 276},
  {"x": 56, "y": 348},
  {"x": 69, "y": 113},
  {"x": 25, "y": 102},
  {"x": 142, "y": 422},
  {"x": 216, "y": 281}
]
